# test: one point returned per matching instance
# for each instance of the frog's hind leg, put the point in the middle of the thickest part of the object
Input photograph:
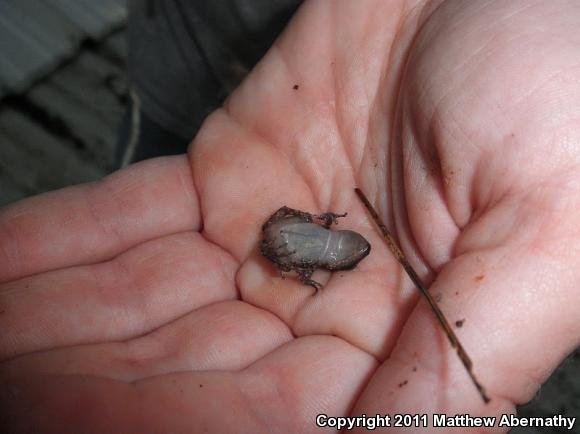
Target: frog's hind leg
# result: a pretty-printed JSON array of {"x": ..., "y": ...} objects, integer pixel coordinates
[
  {"x": 305, "y": 275},
  {"x": 283, "y": 270},
  {"x": 286, "y": 211}
]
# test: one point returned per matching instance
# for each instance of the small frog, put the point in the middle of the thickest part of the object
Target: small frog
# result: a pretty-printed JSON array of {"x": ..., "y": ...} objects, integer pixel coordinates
[{"x": 294, "y": 242}]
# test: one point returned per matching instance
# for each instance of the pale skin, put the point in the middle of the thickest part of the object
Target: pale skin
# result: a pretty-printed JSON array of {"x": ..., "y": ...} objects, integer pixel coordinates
[{"x": 141, "y": 304}]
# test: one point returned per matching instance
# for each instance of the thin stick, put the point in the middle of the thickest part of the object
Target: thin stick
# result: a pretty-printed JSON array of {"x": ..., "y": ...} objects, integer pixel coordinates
[{"x": 398, "y": 253}]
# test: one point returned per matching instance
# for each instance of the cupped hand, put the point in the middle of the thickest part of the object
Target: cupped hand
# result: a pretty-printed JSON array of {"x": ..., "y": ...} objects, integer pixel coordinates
[{"x": 141, "y": 303}]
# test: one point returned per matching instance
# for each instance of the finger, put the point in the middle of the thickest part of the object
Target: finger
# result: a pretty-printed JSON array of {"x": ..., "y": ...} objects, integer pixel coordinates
[
  {"x": 285, "y": 389},
  {"x": 94, "y": 222},
  {"x": 138, "y": 291},
  {"x": 228, "y": 335},
  {"x": 308, "y": 376}
]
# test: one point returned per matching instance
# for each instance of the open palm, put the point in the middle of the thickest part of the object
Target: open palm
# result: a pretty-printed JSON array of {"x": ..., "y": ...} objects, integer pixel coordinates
[{"x": 141, "y": 303}]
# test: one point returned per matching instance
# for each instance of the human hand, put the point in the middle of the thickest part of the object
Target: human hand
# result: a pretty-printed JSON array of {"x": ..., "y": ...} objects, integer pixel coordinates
[{"x": 141, "y": 304}]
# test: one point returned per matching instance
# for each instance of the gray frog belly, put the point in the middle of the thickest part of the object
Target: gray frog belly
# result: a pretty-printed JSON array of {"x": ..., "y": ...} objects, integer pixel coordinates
[{"x": 293, "y": 243}]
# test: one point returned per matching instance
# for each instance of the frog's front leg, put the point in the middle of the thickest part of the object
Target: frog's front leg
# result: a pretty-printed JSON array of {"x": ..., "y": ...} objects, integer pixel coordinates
[{"x": 329, "y": 218}]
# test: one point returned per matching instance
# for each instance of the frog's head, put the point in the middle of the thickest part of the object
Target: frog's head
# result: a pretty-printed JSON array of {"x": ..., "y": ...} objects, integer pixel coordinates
[{"x": 351, "y": 248}]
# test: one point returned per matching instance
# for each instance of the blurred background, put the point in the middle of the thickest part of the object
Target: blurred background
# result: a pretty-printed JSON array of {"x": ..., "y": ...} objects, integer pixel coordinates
[
  {"x": 63, "y": 92},
  {"x": 63, "y": 95}
]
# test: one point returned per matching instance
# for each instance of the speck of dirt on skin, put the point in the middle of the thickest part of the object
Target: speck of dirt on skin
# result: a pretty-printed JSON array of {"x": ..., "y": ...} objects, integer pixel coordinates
[
  {"x": 404, "y": 383},
  {"x": 479, "y": 278},
  {"x": 438, "y": 297},
  {"x": 459, "y": 323},
  {"x": 448, "y": 175},
  {"x": 295, "y": 87}
]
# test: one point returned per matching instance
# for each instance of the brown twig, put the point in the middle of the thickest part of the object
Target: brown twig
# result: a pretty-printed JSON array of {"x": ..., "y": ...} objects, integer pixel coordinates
[{"x": 398, "y": 253}]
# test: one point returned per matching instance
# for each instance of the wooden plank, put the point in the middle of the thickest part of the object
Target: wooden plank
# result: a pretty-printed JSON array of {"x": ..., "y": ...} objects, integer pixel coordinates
[
  {"x": 16, "y": 165},
  {"x": 95, "y": 18},
  {"x": 38, "y": 160},
  {"x": 34, "y": 39},
  {"x": 96, "y": 83},
  {"x": 22, "y": 57},
  {"x": 116, "y": 47},
  {"x": 83, "y": 123}
]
